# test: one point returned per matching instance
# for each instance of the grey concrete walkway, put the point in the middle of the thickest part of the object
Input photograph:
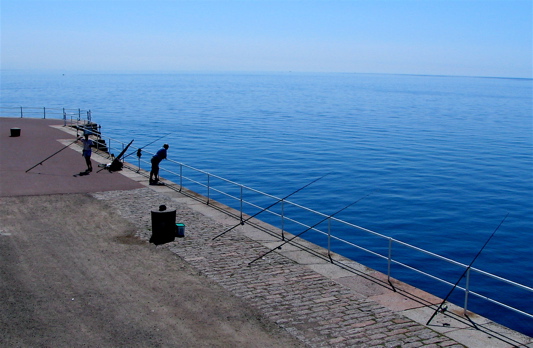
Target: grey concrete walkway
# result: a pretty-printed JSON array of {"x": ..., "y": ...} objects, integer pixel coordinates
[
  {"x": 297, "y": 288},
  {"x": 322, "y": 304}
]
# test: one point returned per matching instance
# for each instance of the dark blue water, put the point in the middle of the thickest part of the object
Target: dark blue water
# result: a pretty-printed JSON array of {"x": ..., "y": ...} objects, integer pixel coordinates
[{"x": 444, "y": 158}]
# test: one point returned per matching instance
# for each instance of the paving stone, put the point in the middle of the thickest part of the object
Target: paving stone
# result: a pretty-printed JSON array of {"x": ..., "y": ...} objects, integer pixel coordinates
[{"x": 316, "y": 310}]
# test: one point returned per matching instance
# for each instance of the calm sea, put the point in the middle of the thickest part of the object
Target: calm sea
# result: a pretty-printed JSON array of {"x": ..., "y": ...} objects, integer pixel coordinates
[{"x": 444, "y": 158}]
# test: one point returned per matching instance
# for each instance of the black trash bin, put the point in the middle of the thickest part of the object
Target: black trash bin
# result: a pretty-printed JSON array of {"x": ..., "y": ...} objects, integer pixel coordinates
[
  {"x": 163, "y": 226},
  {"x": 15, "y": 132}
]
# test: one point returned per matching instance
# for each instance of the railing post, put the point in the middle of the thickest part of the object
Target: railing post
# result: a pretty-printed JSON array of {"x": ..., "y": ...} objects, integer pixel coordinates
[
  {"x": 208, "y": 188},
  {"x": 467, "y": 290},
  {"x": 241, "y": 203},
  {"x": 389, "y": 259},
  {"x": 282, "y": 219},
  {"x": 44, "y": 113},
  {"x": 21, "y": 112},
  {"x": 329, "y": 239},
  {"x": 181, "y": 176}
]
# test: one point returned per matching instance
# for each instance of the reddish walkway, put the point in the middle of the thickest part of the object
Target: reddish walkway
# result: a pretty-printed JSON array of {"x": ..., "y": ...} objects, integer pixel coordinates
[{"x": 38, "y": 140}]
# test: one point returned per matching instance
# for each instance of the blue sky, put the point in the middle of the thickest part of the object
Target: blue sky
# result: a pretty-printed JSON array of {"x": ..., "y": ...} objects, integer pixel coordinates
[{"x": 449, "y": 37}]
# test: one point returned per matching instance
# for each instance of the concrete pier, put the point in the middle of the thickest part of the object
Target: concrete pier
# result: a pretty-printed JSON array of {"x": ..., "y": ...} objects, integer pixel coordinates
[{"x": 206, "y": 292}]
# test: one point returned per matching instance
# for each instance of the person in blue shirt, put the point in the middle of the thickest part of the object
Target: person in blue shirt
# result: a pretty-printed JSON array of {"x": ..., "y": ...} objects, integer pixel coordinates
[
  {"x": 156, "y": 159},
  {"x": 86, "y": 153}
]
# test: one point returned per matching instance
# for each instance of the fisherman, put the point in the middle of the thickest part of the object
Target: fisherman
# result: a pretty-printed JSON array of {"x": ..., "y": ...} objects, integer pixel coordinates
[
  {"x": 86, "y": 153},
  {"x": 156, "y": 159}
]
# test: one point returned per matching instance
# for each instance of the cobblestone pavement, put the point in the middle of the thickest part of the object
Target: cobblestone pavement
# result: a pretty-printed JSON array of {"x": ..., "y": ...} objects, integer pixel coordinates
[{"x": 313, "y": 308}]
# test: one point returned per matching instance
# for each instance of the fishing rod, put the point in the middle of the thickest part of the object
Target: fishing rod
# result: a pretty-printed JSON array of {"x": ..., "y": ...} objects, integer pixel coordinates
[
  {"x": 466, "y": 270},
  {"x": 116, "y": 165},
  {"x": 270, "y": 206},
  {"x": 318, "y": 223},
  {"x": 139, "y": 149},
  {"x": 47, "y": 158}
]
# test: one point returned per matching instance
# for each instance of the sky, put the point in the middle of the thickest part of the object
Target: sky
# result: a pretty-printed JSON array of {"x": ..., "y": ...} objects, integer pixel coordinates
[{"x": 429, "y": 37}]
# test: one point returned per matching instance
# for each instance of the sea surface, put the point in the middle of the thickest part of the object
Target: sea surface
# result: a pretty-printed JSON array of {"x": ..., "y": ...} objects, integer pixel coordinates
[{"x": 438, "y": 160}]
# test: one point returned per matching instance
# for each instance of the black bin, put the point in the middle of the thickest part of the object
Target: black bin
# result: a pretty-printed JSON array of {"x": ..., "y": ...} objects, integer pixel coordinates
[
  {"x": 15, "y": 132},
  {"x": 163, "y": 226}
]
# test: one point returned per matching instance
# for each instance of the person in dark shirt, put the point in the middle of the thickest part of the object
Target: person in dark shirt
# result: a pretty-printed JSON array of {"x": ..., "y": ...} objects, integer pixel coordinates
[{"x": 156, "y": 159}]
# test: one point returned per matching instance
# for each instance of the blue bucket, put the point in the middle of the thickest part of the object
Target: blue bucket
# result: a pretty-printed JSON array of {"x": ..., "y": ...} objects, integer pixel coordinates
[{"x": 180, "y": 230}]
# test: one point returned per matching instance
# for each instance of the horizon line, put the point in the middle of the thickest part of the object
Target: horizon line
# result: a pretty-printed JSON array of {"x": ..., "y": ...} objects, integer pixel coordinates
[{"x": 200, "y": 72}]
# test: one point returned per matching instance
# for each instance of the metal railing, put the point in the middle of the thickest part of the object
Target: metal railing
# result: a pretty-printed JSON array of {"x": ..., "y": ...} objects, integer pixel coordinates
[
  {"x": 397, "y": 258},
  {"x": 69, "y": 116}
]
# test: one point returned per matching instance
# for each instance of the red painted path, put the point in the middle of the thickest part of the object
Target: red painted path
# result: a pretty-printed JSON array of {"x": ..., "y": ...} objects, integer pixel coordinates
[{"x": 39, "y": 139}]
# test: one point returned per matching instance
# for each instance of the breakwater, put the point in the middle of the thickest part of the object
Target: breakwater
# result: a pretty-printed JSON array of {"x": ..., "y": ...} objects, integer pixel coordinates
[
  {"x": 248, "y": 201},
  {"x": 204, "y": 221}
]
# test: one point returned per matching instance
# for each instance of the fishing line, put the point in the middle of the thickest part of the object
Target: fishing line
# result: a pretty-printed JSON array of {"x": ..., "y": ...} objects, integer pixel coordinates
[
  {"x": 466, "y": 270},
  {"x": 310, "y": 228},
  {"x": 270, "y": 206}
]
